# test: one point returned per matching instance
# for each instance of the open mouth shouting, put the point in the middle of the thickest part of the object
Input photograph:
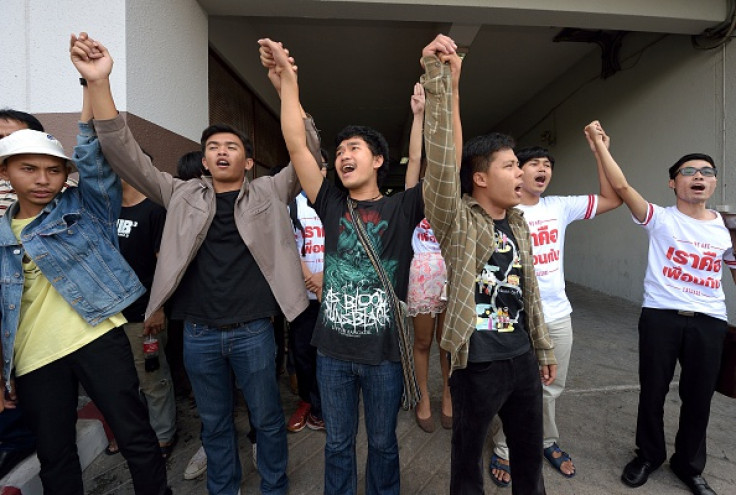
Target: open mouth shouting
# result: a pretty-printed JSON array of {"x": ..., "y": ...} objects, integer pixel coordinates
[
  {"x": 347, "y": 168},
  {"x": 517, "y": 189},
  {"x": 698, "y": 187}
]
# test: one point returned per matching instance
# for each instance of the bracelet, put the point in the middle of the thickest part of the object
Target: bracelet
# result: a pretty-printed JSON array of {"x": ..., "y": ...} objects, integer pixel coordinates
[{"x": 83, "y": 81}]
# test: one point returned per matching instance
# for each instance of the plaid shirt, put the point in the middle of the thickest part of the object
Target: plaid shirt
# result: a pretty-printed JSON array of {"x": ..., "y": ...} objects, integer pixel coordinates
[
  {"x": 465, "y": 231},
  {"x": 7, "y": 196}
]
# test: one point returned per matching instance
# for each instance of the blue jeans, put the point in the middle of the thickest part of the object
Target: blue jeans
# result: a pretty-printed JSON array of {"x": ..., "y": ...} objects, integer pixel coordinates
[
  {"x": 248, "y": 350},
  {"x": 340, "y": 383}
]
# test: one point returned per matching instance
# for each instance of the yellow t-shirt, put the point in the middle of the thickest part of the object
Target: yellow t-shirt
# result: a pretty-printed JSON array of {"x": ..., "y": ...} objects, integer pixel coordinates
[{"x": 49, "y": 328}]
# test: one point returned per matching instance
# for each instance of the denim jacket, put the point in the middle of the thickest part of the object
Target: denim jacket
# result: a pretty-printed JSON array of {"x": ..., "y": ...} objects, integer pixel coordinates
[{"x": 74, "y": 243}]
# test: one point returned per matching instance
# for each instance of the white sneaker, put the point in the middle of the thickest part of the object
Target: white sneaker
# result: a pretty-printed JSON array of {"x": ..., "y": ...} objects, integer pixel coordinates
[{"x": 197, "y": 465}]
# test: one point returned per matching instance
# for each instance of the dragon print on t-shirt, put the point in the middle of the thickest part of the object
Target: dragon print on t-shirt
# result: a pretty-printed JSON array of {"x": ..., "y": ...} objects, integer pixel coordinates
[
  {"x": 354, "y": 300},
  {"x": 356, "y": 321}
]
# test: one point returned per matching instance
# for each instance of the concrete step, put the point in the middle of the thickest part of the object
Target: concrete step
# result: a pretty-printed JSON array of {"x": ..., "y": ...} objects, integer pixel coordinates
[{"x": 91, "y": 441}]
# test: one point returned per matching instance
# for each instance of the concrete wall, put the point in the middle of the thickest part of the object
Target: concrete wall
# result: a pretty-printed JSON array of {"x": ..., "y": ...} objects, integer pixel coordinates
[
  {"x": 37, "y": 75},
  {"x": 670, "y": 100},
  {"x": 167, "y": 64},
  {"x": 160, "y": 52}
]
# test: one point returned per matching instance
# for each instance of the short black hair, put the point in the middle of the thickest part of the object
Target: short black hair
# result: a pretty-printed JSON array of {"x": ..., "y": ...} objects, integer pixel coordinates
[
  {"x": 189, "y": 165},
  {"x": 219, "y": 128},
  {"x": 26, "y": 118},
  {"x": 692, "y": 156},
  {"x": 477, "y": 155},
  {"x": 375, "y": 141},
  {"x": 531, "y": 152}
]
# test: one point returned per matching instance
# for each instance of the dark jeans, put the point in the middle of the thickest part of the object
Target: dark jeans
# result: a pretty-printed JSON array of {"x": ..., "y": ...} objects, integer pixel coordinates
[
  {"x": 512, "y": 389},
  {"x": 305, "y": 356},
  {"x": 211, "y": 355},
  {"x": 105, "y": 369},
  {"x": 381, "y": 385},
  {"x": 697, "y": 342}
]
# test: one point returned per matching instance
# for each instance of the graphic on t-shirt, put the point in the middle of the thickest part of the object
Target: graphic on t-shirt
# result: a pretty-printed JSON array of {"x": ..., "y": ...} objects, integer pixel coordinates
[
  {"x": 354, "y": 301},
  {"x": 498, "y": 285},
  {"x": 125, "y": 227}
]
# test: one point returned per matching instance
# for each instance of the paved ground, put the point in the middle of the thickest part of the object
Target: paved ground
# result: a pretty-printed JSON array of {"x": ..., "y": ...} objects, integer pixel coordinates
[{"x": 596, "y": 416}]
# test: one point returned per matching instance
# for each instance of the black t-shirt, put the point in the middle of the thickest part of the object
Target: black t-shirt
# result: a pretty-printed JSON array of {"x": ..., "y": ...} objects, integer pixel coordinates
[
  {"x": 139, "y": 235},
  {"x": 356, "y": 322},
  {"x": 223, "y": 284},
  {"x": 500, "y": 329}
]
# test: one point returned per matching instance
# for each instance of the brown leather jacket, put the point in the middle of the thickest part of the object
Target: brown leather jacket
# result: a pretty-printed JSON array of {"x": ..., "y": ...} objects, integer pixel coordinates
[{"x": 261, "y": 217}]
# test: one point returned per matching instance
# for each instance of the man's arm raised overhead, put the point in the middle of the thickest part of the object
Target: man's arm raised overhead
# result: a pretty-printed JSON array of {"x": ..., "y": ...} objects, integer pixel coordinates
[
  {"x": 607, "y": 198},
  {"x": 636, "y": 203},
  {"x": 282, "y": 73}
]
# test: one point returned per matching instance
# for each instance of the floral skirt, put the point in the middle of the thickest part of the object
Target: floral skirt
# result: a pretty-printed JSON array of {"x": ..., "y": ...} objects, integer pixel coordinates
[{"x": 427, "y": 284}]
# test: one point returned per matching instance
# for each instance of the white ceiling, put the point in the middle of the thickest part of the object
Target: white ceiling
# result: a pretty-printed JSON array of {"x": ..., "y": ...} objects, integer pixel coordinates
[{"x": 358, "y": 59}]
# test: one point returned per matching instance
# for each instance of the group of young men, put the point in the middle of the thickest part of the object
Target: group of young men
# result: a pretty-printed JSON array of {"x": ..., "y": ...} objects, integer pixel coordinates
[{"x": 229, "y": 263}]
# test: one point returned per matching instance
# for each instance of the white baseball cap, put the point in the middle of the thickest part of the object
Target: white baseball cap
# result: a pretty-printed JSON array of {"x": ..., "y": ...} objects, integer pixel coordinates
[{"x": 28, "y": 141}]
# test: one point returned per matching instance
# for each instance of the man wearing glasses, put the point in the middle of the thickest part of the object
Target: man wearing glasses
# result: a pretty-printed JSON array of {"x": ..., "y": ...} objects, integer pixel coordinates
[{"x": 683, "y": 315}]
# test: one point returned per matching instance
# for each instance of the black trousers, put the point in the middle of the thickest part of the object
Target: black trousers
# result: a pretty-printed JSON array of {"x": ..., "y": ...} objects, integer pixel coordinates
[
  {"x": 105, "y": 369},
  {"x": 512, "y": 389},
  {"x": 305, "y": 356},
  {"x": 666, "y": 337}
]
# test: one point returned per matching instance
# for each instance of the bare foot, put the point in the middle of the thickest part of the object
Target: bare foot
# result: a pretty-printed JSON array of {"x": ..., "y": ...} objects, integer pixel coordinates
[
  {"x": 447, "y": 406},
  {"x": 424, "y": 408}
]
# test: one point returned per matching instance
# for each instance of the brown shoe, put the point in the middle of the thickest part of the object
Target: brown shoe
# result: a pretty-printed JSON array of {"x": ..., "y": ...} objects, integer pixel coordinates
[
  {"x": 426, "y": 424},
  {"x": 446, "y": 421}
]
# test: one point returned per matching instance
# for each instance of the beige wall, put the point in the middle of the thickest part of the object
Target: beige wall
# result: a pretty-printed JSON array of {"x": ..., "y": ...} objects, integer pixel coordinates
[{"x": 669, "y": 101}]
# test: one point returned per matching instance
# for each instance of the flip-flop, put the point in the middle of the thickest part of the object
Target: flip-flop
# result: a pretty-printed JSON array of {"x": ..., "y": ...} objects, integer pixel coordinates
[
  {"x": 496, "y": 464},
  {"x": 557, "y": 462}
]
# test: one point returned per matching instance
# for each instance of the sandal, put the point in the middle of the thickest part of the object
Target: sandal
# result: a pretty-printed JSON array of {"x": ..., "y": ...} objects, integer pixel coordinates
[
  {"x": 169, "y": 447},
  {"x": 496, "y": 464},
  {"x": 110, "y": 450},
  {"x": 557, "y": 462}
]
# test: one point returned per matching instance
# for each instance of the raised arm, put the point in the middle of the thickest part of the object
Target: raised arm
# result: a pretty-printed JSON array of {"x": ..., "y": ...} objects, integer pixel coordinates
[
  {"x": 442, "y": 183},
  {"x": 456, "y": 64},
  {"x": 282, "y": 73},
  {"x": 731, "y": 226},
  {"x": 607, "y": 197},
  {"x": 120, "y": 148},
  {"x": 616, "y": 178},
  {"x": 413, "y": 168},
  {"x": 98, "y": 185}
]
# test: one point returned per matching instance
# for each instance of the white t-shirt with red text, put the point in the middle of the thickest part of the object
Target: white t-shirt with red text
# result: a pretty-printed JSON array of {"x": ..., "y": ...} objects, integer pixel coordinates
[
  {"x": 313, "y": 240},
  {"x": 548, "y": 221},
  {"x": 423, "y": 240},
  {"x": 685, "y": 262}
]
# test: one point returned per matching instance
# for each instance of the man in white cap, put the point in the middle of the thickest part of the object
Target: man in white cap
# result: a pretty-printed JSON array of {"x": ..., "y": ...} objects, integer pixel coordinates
[{"x": 64, "y": 284}]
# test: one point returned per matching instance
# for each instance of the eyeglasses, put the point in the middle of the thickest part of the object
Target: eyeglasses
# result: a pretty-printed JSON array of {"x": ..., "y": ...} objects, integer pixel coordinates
[{"x": 704, "y": 171}]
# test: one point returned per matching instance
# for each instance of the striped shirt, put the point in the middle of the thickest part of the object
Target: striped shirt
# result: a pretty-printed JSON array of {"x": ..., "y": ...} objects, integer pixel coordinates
[
  {"x": 7, "y": 196},
  {"x": 465, "y": 231}
]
